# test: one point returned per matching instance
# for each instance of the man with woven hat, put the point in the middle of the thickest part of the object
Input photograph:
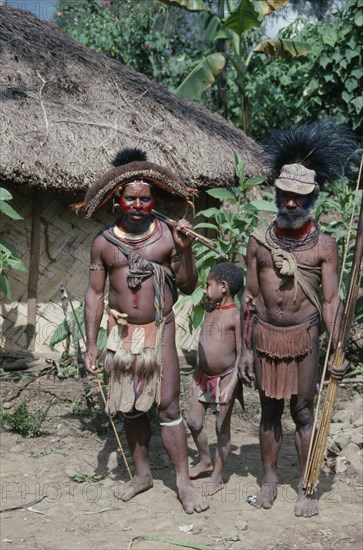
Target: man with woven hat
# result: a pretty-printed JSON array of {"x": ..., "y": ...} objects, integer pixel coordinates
[
  {"x": 287, "y": 265},
  {"x": 145, "y": 263}
]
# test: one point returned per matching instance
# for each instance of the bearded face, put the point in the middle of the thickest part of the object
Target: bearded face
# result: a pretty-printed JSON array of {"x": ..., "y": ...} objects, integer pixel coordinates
[{"x": 293, "y": 210}]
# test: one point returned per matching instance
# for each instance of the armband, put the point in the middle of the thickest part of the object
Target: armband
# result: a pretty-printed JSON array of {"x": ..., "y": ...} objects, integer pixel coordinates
[{"x": 96, "y": 267}]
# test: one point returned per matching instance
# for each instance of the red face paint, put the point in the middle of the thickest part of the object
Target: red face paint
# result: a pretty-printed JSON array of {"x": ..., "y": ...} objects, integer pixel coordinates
[{"x": 137, "y": 197}]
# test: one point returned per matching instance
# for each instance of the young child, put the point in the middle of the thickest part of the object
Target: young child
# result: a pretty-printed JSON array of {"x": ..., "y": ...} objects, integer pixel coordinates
[{"x": 216, "y": 376}]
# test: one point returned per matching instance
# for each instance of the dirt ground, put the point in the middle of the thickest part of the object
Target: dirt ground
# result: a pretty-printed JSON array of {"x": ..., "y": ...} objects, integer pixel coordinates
[{"x": 72, "y": 471}]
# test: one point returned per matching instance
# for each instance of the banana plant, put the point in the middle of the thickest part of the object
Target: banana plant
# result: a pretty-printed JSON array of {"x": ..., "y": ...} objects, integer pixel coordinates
[{"x": 225, "y": 28}]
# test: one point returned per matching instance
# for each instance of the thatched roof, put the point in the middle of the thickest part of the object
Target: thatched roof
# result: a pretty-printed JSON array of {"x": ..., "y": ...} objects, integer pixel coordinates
[{"x": 66, "y": 110}]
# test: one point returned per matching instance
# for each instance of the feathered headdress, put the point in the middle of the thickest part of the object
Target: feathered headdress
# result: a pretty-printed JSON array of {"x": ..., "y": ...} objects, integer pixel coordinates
[
  {"x": 132, "y": 165},
  {"x": 322, "y": 147}
]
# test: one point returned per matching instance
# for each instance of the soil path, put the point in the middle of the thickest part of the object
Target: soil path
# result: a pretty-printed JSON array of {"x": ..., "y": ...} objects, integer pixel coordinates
[{"x": 77, "y": 471}]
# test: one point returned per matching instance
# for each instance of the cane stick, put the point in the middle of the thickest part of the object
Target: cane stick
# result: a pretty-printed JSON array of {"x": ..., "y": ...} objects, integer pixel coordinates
[
  {"x": 190, "y": 233},
  {"x": 120, "y": 448}
]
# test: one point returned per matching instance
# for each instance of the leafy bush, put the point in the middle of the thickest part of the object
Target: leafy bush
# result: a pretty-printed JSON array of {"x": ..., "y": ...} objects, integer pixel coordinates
[
  {"x": 232, "y": 223},
  {"x": 9, "y": 259},
  {"x": 28, "y": 424},
  {"x": 62, "y": 332},
  {"x": 324, "y": 83}
]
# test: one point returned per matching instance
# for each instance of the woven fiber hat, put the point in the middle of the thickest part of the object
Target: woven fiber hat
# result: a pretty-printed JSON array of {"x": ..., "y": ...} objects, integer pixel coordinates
[
  {"x": 295, "y": 178},
  {"x": 131, "y": 165}
]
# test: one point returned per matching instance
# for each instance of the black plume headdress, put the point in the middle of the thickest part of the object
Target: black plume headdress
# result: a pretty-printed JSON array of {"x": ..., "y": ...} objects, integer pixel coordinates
[
  {"x": 129, "y": 154},
  {"x": 322, "y": 146}
]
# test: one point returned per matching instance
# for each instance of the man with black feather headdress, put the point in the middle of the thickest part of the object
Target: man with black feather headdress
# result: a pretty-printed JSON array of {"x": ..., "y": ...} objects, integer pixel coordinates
[
  {"x": 145, "y": 263},
  {"x": 288, "y": 265}
]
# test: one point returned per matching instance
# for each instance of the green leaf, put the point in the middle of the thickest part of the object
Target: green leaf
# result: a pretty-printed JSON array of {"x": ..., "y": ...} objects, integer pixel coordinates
[
  {"x": 5, "y": 286},
  {"x": 264, "y": 206},
  {"x": 255, "y": 181},
  {"x": 358, "y": 18},
  {"x": 9, "y": 211},
  {"x": 60, "y": 334},
  {"x": 358, "y": 103},
  {"x": 197, "y": 316},
  {"x": 5, "y": 195},
  {"x": 101, "y": 338},
  {"x": 239, "y": 168},
  {"x": 205, "y": 225},
  {"x": 202, "y": 76},
  {"x": 16, "y": 264},
  {"x": 214, "y": 29},
  {"x": 197, "y": 296},
  {"x": 222, "y": 194},
  {"x": 283, "y": 48},
  {"x": 245, "y": 17},
  {"x": 209, "y": 212},
  {"x": 190, "y": 5}
]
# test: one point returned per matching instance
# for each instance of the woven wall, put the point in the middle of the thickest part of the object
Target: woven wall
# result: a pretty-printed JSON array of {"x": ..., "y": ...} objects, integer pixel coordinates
[{"x": 64, "y": 258}]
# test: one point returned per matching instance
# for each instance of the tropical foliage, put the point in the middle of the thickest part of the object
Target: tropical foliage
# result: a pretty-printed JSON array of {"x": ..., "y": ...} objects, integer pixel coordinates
[
  {"x": 231, "y": 222},
  {"x": 147, "y": 36},
  {"x": 9, "y": 259},
  {"x": 327, "y": 82}
]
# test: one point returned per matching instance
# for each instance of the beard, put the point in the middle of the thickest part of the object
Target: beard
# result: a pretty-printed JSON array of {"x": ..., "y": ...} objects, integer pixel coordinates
[
  {"x": 287, "y": 219},
  {"x": 136, "y": 227}
]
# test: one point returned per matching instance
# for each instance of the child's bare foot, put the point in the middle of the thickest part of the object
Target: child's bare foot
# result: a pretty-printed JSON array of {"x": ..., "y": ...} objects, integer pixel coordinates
[
  {"x": 212, "y": 486},
  {"x": 306, "y": 505},
  {"x": 132, "y": 488},
  {"x": 266, "y": 495},
  {"x": 190, "y": 499},
  {"x": 199, "y": 469}
]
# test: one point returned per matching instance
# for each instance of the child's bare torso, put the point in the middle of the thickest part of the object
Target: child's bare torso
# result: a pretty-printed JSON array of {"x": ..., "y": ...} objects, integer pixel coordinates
[{"x": 218, "y": 341}]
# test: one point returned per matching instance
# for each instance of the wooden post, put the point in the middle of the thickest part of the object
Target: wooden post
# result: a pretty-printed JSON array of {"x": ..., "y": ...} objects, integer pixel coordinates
[{"x": 33, "y": 270}]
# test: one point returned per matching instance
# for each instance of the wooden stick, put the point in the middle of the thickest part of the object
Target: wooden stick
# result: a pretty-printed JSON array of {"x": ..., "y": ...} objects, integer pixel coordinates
[
  {"x": 190, "y": 233},
  {"x": 120, "y": 448}
]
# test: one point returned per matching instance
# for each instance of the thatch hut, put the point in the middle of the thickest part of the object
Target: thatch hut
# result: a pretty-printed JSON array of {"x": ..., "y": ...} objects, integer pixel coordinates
[{"x": 65, "y": 111}]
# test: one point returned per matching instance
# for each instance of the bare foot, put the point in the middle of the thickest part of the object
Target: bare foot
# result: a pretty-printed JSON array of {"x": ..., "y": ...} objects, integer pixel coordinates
[
  {"x": 133, "y": 488},
  {"x": 190, "y": 499},
  {"x": 266, "y": 495},
  {"x": 212, "y": 486},
  {"x": 306, "y": 505},
  {"x": 199, "y": 469}
]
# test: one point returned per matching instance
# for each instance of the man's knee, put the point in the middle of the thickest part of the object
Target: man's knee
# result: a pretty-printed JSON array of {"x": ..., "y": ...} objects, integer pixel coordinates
[
  {"x": 302, "y": 413},
  {"x": 194, "y": 424},
  {"x": 169, "y": 412},
  {"x": 271, "y": 413}
]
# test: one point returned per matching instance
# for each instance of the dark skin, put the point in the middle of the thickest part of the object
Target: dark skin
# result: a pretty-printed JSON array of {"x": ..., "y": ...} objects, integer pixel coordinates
[
  {"x": 218, "y": 351},
  {"x": 274, "y": 304},
  {"x": 160, "y": 247}
]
